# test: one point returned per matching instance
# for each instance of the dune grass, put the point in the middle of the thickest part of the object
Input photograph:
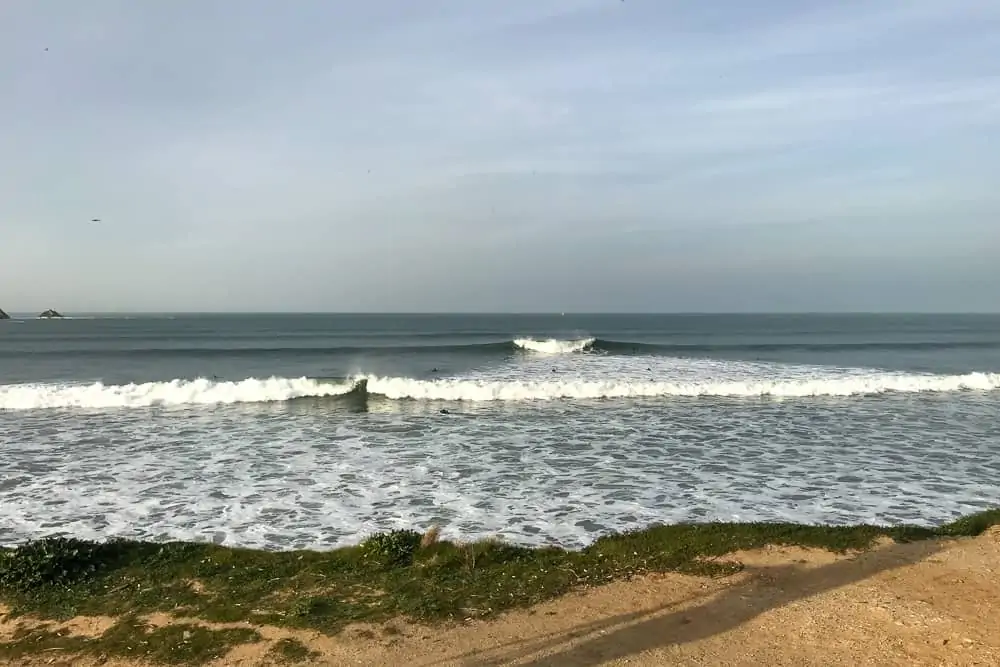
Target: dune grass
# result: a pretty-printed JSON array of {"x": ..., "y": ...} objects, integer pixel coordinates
[{"x": 401, "y": 574}]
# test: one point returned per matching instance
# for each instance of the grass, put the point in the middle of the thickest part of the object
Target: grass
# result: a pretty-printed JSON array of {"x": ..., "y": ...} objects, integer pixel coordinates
[
  {"x": 131, "y": 638},
  {"x": 401, "y": 574}
]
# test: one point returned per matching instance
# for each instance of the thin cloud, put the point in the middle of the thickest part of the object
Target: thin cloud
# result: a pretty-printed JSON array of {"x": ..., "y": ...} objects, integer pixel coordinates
[{"x": 552, "y": 144}]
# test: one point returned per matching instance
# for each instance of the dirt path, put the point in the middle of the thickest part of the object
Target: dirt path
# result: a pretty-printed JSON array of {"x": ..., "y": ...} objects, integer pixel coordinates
[{"x": 926, "y": 603}]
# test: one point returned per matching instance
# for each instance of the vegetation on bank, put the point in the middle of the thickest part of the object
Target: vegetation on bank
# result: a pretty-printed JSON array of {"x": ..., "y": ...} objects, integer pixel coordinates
[{"x": 401, "y": 574}]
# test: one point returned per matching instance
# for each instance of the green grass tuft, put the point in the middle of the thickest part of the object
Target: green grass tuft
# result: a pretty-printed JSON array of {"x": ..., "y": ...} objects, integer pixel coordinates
[
  {"x": 392, "y": 549},
  {"x": 973, "y": 524},
  {"x": 56, "y": 562},
  {"x": 390, "y": 575}
]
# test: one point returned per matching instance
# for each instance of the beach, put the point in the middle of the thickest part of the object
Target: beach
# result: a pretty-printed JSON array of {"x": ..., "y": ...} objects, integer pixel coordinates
[{"x": 928, "y": 602}]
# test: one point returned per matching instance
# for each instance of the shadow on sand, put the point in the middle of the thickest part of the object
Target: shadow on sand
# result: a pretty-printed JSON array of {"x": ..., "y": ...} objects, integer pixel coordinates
[{"x": 759, "y": 590}]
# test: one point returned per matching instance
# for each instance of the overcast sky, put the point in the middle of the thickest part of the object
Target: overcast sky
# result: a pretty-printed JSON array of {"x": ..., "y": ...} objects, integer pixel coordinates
[{"x": 553, "y": 155}]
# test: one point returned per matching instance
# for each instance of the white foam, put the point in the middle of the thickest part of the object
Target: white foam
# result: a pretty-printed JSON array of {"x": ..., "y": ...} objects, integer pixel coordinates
[
  {"x": 175, "y": 392},
  {"x": 260, "y": 476},
  {"x": 691, "y": 379},
  {"x": 867, "y": 384},
  {"x": 553, "y": 345}
]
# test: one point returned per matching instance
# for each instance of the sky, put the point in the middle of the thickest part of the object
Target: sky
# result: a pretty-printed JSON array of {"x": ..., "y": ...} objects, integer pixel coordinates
[{"x": 525, "y": 155}]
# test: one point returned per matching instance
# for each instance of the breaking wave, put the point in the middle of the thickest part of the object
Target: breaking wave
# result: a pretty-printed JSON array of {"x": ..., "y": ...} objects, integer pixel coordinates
[
  {"x": 253, "y": 390},
  {"x": 472, "y": 390},
  {"x": 553, "y": 345},
  {"x": 175, "y": 392}
]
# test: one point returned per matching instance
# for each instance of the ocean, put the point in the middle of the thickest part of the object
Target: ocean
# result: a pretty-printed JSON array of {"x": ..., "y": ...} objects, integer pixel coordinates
[{"x": 312, "y": 431}]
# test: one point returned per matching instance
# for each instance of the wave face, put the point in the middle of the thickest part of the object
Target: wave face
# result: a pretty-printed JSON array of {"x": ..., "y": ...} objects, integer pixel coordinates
[{"x": 253, "y": 390}]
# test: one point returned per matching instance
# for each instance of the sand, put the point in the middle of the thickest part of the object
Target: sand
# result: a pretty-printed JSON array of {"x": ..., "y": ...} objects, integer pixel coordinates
[{"x": 926, "y": 603}]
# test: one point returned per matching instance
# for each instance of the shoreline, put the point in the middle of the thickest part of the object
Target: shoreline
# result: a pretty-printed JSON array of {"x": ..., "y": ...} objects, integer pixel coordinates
[{"x": 148, "y": 603}]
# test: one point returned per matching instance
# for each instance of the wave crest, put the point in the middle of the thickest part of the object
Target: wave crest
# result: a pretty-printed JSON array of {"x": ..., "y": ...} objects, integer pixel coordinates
[
  {"x": 252, "y": 390},
  {"x": 554, "y": 345},
  {"x": 472, "y": 390},
  {"x": 175, "y": 392}
]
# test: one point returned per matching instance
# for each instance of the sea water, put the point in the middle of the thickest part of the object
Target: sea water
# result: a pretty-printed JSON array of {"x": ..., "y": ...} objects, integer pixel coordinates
[{"x": 292, "y": 431}]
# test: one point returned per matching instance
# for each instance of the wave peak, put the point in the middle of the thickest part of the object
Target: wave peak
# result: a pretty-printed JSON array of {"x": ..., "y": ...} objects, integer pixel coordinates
[{"x": 553, "y": 345}]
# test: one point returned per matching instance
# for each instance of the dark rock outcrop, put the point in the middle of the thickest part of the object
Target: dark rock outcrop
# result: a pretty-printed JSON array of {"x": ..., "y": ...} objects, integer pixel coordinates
[
  {"x": 49, "y": 314},
  {"x": 3, "y": 315}
]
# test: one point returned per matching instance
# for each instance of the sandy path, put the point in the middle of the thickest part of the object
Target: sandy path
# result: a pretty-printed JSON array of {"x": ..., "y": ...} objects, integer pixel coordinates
[{"x": 927, "y": 603}]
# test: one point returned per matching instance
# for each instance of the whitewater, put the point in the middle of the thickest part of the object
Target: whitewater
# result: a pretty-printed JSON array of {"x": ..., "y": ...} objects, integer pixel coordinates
[
  {"x": 312, "y": 431},
  {"x": 205, "y": 392}
]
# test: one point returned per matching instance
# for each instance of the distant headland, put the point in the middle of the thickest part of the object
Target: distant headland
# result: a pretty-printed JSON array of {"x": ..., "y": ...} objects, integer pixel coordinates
[{"x": 49, "y": 314}]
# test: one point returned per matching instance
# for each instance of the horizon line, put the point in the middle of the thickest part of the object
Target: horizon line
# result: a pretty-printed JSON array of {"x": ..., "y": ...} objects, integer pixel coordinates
[{"x": 435, "y": 313}]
